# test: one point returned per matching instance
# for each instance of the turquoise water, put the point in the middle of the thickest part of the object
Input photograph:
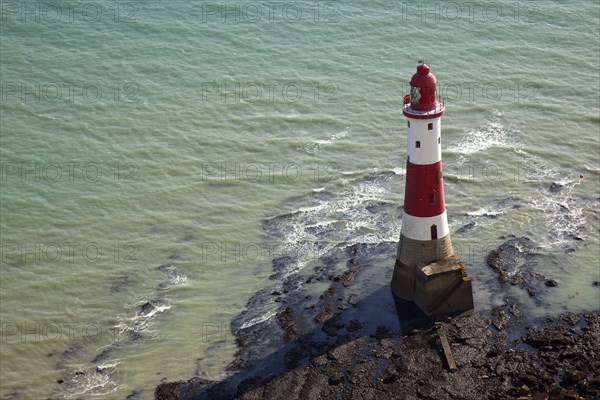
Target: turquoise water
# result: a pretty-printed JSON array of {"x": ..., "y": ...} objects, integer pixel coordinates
[{"x": 143, "y": 145}]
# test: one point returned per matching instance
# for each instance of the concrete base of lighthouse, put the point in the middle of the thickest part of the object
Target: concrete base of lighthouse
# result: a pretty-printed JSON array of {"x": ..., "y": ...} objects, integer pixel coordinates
[{"x": 428, "y": 274}]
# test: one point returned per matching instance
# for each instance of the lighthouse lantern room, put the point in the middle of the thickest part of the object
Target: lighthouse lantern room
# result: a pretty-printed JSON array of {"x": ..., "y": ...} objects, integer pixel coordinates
[{"x": 426, "y": 271}]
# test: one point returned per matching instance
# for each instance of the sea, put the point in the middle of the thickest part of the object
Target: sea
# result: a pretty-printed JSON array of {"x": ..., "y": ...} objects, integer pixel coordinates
[{"x": 146, "y": 144}]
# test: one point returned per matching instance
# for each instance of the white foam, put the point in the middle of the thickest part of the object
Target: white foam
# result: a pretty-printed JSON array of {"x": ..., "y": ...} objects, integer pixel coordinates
[
  {"x": 98, "y": 380},
  {"x": 259, "y": 319},
  {"x": 563, "y": 214},
  {"x": 345, "y": 220},
  {"x": 485, "y": 212},
  {"x": 493, "y": 134},
  {"x": 178, "y": 279},
  {"x": 398, "y": 171},
  {"x": 174, "y": 277},
  {"x": 141, "y": 323},
  {"x": 316, "y": 145}
]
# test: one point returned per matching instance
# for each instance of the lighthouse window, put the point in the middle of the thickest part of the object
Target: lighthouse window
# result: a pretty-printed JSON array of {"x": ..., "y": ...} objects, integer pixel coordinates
[
  {"x": 439, "y": 141},
  {"x": 408, "y": 123},
  {"x": 434, "y": 233},
  {"x": 415, "y": 96},
  {"x": 430, "y": 126},
  {"x": 418, "y": 144},
  {"x": 432, "y": 197}
]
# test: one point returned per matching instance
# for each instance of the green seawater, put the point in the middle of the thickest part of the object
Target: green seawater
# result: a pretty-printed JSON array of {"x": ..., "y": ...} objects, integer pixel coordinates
[{"x": 144, "y": 144}]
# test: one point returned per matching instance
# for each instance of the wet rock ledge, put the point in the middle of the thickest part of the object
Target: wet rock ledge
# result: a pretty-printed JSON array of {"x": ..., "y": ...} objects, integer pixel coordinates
[
  {"x": 560, "y": 360},
  {"x": 353, "y": 343}
]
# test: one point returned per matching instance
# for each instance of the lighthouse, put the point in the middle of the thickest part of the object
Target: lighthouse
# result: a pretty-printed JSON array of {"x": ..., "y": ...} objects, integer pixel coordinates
[{"x": 426, "y": 271}]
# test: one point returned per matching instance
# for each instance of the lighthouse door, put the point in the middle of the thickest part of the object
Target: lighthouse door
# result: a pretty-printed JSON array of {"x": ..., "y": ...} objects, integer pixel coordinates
[{"x": 434, "y": 232}]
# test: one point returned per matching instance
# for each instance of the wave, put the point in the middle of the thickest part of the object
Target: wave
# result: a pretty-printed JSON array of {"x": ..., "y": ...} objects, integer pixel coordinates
[
  {"x": 493, "y": 134},
  {"x": 316, "y": 145},
  {"x": 318, "y": 227},
  {"x": 88, "y": 380},
  {"x": 563, "y": 214},
  {"x": 100, "y": 376}
]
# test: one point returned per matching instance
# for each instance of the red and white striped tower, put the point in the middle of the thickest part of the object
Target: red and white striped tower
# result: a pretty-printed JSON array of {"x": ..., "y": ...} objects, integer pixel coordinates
[{"x": 426, "y": 270}]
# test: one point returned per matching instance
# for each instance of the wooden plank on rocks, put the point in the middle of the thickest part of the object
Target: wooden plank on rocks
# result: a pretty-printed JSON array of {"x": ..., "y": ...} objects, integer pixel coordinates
[{"x": 447, "y": 352}]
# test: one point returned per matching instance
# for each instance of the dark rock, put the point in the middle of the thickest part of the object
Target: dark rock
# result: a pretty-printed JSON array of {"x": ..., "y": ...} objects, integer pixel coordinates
[
  {"x": 555, "y": 187},
  {"x": 250, "y": 383},
  {"x": 466, "y": 228},
  {"x": 331, "y": 328},
  {"x": 511, "y": 260},
  {"x": 336, "y": 379},
  {"x": 101, "y": 370},
  {"x": 182, "y": 390},
  {"x": 512, "y": 202},
  {"x": 103, "y": 355},
  {"x": 348, "y": 278},
  {"x": 353, "y": 325},
  {"x": 382, "y": 332},
  {"x": 551, "y": 283},
  {"x": 501, "y": 317},
  {"x": 149, "y": 306},
  {"x": 275, "y": 293},
  {"x": 288, "y": 324},
  {"x": 280, "y": 264},
  {"x": 410, "y": 367},
  {"x": 164, "y": 267},
  {"x": 329, "y": 293},
  {"x": 324, "y": 316},
  {"x": 133, "y": 395},
  {"x": 529, "y": 380},
  {"x": 572, "y": 378},
  {"x": 353, "y": 300},
  {"x": 380, "y": 208}
]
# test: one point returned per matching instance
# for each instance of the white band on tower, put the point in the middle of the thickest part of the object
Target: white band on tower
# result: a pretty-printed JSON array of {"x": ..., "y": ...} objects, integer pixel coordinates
[
  {"x": 423, "y": 228},
  {"x": 424, "y": 144}
]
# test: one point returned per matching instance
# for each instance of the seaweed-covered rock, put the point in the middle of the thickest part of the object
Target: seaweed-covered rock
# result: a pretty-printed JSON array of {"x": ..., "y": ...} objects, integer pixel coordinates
[{"x": 512, "y": 260}]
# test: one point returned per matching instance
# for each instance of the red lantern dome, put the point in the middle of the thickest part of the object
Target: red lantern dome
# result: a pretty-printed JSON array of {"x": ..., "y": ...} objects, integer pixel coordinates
[{"x": 423, "y": 102}]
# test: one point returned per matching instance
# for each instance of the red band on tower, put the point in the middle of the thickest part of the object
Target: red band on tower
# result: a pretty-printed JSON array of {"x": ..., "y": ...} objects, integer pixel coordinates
[{"x": 424, "y": 194}]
